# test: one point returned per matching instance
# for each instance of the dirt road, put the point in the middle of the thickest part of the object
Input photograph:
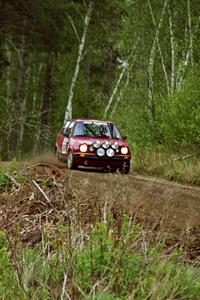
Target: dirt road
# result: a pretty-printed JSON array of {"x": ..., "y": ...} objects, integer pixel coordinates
[
  {"x": 159, "y": 205},
  {"x": 162, "y": 206},
  {"x": 171, "y": 204}
]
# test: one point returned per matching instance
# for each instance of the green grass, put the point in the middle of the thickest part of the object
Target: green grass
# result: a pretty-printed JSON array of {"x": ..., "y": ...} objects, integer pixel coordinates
[{"x": 106, "y": 262}]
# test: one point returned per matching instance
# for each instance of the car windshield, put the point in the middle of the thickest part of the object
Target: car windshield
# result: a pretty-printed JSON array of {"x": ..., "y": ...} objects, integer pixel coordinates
[{"x": 98, "y": 129}]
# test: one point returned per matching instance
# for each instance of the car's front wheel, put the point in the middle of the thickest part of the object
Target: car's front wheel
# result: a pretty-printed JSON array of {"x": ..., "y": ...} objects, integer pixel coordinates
[
  {"x": 56, "y": 155},
  {"x": 125, "y": 169},
  {"x": 70, "y": 161}
]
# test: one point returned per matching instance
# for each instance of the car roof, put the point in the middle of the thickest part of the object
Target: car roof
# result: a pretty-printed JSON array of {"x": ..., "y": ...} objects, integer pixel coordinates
[{"x": 90, "y": 120}]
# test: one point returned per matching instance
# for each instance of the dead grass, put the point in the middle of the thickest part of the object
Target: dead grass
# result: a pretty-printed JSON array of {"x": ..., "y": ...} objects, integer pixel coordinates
[{"x": 183, "y": 168}]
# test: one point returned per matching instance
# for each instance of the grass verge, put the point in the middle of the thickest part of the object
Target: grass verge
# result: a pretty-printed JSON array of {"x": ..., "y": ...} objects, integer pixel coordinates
[{"x": 181, "y": 167}]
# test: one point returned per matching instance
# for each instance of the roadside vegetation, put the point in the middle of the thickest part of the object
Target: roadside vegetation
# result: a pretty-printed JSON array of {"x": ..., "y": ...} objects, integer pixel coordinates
[
  {"x": 182, "y": 167},
  {"x": 108, "y": 261}
]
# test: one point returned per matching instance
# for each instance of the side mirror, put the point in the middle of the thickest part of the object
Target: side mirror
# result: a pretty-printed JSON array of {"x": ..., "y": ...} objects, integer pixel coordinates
[{"x": 66, "y": 134}]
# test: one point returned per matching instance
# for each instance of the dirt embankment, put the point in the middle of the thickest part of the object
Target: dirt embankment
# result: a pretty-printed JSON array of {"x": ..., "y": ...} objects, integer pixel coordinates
[{"x": 49, "y": 193}]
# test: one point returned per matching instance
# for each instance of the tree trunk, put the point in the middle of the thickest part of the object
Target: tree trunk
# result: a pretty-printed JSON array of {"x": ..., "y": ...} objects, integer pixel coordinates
[
  {"x": 172, "y": 51},
  {"x": 121, "y": 75},
  {"x": 158, "y": 43},
  {"x": 151, "y": 105},
  {"x": 120, "y": 95},
  {"x": 46, "y": 107},
  {"x": 19, "y": 96},
  {"x": 23, "y": 116},
  {"x": 68, "y": 112},
  {"x": 8, "y": 83}
]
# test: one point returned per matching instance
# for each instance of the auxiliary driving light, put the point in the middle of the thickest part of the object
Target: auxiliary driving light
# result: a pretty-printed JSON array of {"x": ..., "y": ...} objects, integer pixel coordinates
[
  {"x": 83, "y": 148},
  {"x": 96, "y": 144},
  {"x": 115, "y": 145},
  {"x": 124, "y": 150},
  {"x": 110, "y": 152},
  {"x": 100, "y": 152},
  {"x": 105, "y": 145}
]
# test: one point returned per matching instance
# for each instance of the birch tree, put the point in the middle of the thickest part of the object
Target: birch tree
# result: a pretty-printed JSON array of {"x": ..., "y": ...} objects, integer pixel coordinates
[
  {"x": 152, "y": 58},
  {"x": 124, "y": 67},
  {"x": 189, "y": 51},
  {"x": 172, "y": 40},
  {"x": 156, "y": 40},
  {"x": 68, "y": 111}
]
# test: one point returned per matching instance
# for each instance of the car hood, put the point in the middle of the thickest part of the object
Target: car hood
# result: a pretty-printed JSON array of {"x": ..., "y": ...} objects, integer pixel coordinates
[{"x": 91, "y": 140}]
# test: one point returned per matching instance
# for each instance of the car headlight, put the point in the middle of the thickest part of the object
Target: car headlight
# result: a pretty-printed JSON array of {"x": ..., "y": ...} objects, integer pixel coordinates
[
  {"x": 110, "y": 152},
  {"x": 115, "y": 145},
  {"x": 96, "y": 144},
  {"x": 83, "y": 148},
  {"x": 100, "y": 152},
  {"x": 124, "y": 150},
  {"x": 105, "y": 145}
]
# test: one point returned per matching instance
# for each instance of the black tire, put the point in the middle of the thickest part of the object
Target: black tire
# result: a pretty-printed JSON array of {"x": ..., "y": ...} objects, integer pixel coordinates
[
  {"x": 56, "y": 155},
  {"x": 70, "y": 161},
  {"x": 125, "y": 169}
]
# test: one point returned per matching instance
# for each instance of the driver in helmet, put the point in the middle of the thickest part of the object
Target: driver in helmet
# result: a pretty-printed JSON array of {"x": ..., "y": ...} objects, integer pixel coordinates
[{"x": 103, "y": 131}]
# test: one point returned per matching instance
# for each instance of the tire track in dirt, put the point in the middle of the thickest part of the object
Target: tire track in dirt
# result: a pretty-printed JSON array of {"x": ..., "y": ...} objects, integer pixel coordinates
[
  {"x": 176, "y": 203},
  {"x": 161, "y": 205}
]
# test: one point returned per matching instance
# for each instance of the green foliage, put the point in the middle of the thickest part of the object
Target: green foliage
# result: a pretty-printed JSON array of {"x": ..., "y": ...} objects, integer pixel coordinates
[
  {"x": 181, "y": 125},
  {"x": 3, "y": 180},
  {"x": 9, "y": 288},
  {"x": 12, "y": 166},
  {"x": 108, "y": 264}
]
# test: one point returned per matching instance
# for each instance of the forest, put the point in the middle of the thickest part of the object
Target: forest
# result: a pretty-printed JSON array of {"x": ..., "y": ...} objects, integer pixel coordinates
[{"x": 131, "y": 61}]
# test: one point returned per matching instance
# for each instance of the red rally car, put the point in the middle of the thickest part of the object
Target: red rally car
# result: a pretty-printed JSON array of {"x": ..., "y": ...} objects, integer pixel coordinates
[{"x": 93, "y": 143}]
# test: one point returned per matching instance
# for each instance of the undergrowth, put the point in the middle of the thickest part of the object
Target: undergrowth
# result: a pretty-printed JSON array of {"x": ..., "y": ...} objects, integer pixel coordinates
[{"x": 103, "y": 262}]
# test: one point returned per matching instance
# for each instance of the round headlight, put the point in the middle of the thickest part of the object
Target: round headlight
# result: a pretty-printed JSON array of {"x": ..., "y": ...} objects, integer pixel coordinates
[
  {"x": 96, "y": 144},
  {"x": 124, "y": 150},
  {"x": 115, "y": 145},
  {"x": 83, "y": 148},
  {"x": 100, "y": 152},
  {"x": 110, "y": 152},
  {"x": 105, "y": 145}
]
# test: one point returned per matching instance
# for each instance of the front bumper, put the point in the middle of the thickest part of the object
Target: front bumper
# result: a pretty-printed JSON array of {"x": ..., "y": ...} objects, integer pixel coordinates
[{"x": 92, "y": 160}]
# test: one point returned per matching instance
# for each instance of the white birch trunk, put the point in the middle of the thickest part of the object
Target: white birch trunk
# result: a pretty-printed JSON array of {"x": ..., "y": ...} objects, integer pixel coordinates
[
  {"x": 120, "y": 95},
  {"x": 152, "y": 56},
  {"x": 114, "y": 91},
  {"x": 68, "y": 112},
  {"x": 8, "y": 83},
  {"x": 189, "y": 54},
  {"x": 36, "y": 78},
  {"x": 183, "y": 65},
  {"x": 172, "y": 51},
  {"x": 190, "y": 32}
]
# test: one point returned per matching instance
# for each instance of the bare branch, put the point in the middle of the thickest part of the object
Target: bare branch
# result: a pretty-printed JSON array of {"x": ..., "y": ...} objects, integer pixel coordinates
[
  {"x": 41, "y": 191},
  {"x": 73, "y": 26}
]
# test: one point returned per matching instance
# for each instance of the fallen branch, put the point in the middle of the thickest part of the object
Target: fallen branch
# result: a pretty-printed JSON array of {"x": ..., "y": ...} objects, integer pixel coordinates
[
  {"x": 13, "y": 180},
  {"x": 41, "y": 165},
  {"x": 41, "y": 191}
]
